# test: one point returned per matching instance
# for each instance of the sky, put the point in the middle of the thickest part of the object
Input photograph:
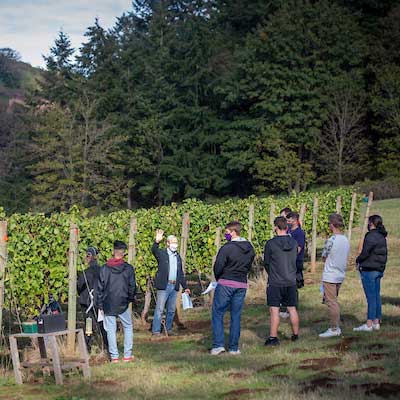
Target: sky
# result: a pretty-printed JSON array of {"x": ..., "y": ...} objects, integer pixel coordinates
[{"x": 31, "y": 26}]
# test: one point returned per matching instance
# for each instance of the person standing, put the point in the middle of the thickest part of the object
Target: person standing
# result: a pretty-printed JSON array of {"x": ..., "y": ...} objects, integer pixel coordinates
[
  {"x": 231, "y": 268},
  {"x": 334, "y": 254},
  {"x": 372, "y": 263},
  {"x": 167, "y": 281},
  {"x": 116, "y": 289},
  {"x": 87, "y": 291},
  {"x": 299, "y": 236},
  {"x": 280, "y": 263}
]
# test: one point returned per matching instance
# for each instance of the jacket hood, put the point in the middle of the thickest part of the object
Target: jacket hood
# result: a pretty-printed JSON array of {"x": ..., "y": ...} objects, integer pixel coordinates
[
  {"x": 115, "y": 265},
  {"x": 244, "y": 245},
  {"x": 382, "y": 231},
  {"x": 286, "y": 243}
]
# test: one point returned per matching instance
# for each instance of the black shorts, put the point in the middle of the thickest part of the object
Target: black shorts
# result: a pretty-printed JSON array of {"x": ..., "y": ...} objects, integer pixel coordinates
[{"x": 282, "y": 295}]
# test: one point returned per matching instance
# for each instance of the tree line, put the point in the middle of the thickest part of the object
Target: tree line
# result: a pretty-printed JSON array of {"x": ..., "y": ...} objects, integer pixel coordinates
[{"x": 209, "y": 99}]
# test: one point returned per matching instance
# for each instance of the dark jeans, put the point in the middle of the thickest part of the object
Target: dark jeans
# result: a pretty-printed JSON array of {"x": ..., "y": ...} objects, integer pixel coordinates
[
  {"x": 98, "y": 329},
  {"x": 371, "y": 281},
  {"x": 225, "y": 297}
]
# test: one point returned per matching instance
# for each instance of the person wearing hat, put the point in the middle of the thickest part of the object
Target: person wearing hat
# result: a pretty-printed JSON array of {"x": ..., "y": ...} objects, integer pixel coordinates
[
  {"x": 116, "y": 289},
  {"x": 87, "y": 288}
]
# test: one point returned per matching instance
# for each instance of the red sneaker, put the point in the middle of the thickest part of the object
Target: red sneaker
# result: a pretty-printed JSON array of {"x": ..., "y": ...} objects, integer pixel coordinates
[
  {"x": 115, "y": 360},
  {"x": 129, "y": 359}
]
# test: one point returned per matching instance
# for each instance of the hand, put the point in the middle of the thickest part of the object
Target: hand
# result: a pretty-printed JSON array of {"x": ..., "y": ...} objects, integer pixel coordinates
[
  {"x": 187, "y": 291},
  {"x": 159, "y": 235}
]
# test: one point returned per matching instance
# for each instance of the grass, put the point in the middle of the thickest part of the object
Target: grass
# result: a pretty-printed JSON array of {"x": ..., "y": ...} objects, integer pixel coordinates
[{"x": 355, "y": 366}]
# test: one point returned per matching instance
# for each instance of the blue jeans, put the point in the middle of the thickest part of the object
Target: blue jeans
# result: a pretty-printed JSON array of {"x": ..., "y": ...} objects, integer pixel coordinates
[
  {"x": 225, "y": 297},
  {"x": 371, "y": 281},
  {"x": 165, "y": 297},
  {"x": 110, "y": 326}
]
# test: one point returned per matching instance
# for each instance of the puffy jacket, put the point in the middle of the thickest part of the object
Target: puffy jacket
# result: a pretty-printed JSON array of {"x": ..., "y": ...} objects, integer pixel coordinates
[
  {"x": 280, "y": 255},
  {"x": 161, "y": 278},
  {"x": 92, "y": 277},
  {"x": 373, "y": 256},
  {"x": 116, "y": 287},
  {"x": 234, "y": 260}
]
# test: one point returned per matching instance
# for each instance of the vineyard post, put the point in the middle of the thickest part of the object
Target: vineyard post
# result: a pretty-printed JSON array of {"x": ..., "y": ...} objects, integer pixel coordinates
[
  {"x": 217, "y": 247},
  {"x": 183, "y": 252},
  {"x": 302, "y": 212},
  {"x": 272, "y": 218},
  {"x": 314, "y": 235},
  {"x": 3, "y": 260},
  {"x": 365, "y": 226},
  {"x": 338, "y": 204},
  {"x": 351, "y": 218},
  {"x": 73, "y": 257},
  {"x": 132, "y": 245},
  {"x": 251, "y": 222}
]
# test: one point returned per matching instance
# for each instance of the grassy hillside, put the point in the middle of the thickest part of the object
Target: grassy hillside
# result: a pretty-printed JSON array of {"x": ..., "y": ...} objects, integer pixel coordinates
[{"x": 354, "y": 366}]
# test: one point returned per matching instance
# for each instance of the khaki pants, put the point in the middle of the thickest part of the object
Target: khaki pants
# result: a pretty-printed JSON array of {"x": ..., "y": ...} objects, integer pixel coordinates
[{"x": 331, "y": 292}]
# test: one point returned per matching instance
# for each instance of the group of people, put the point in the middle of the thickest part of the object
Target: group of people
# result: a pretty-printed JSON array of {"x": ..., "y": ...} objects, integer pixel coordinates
[{"x": 109, "y": 289}]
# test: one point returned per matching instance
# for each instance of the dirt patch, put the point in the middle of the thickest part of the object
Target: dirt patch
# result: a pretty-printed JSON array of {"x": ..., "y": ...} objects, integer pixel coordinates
[
  {"x": 374, "y": 356},
  {"x": 370, "y": 370},
  {"x": 270, "y": 367},
  {"x": 383, "y": 389},
  {"x": 239, "y": 375},
  {"x": 345, "y": 344},
  {"x": 318, "y": 364},
  {"x": 234, "y": 394},
  {"x": 376, "y": 346},
  {"x": 391, "y": 335},
  {"x": 320, "y": 383},
  {"x": 297, "y": 351},
  {"x": 198, "y": 326}
]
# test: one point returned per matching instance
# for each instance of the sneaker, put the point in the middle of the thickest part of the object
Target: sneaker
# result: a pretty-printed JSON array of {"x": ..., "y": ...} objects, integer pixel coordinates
[
  {"x": 284, "y": 314},
  {"x": 128, "y": 359},
  {"x": 376, "y": 327},
  {"x": 294, "y": 338},
  {"x": 234, "y": 352},
  {"x": 272, "y": 341},
  {"x": 363, "y": 328},
  {"x": 114, "y": 360},
  {"x": 217, "y": 350},
  {"x": 330, "y": 333}
]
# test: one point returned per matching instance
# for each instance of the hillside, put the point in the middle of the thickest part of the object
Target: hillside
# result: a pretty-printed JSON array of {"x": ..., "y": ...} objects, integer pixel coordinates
[{"x": 17, "y": 78}]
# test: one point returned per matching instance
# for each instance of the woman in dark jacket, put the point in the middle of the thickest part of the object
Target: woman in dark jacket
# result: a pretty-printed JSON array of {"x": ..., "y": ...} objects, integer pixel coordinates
[{"x": 371, "y": 263}]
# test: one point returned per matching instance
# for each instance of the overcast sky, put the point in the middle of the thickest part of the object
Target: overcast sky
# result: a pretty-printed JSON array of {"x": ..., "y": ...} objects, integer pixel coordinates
[{"x": 31, "y": 26}]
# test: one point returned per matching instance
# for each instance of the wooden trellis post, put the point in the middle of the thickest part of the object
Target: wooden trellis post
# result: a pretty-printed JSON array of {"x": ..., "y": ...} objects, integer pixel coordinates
[
  {"x": 272, "y": 218},
  {"x": 251, "y": 222},
  {"x": 3, "y": 260},
  {"x": 72, "y": 257},
  {"x": 217, "y": 243},
  {"x": 183, "y": 252},
  {"x": 365, "y": 225},
  {"x": 351, "y": 218},
  {"x": 339, "y": 204},
  {"x": 132, "y": 245},
  {"x": 314, "y": 236},
  {"x": 302, "y": 213}
]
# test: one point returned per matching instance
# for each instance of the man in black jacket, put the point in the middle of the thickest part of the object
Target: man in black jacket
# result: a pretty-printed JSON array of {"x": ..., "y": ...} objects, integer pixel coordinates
[
  {"x": 280, "y": 263},
  {"x": 116, "y": 289},
  {"x": 87, "y": 291},
  {"x": 231, "y": 267},
  {"x": 167, "y": 281}
]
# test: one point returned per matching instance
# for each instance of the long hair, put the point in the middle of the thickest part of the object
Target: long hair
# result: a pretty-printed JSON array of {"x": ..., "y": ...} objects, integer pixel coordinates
[{"x": 378, "y": 223}]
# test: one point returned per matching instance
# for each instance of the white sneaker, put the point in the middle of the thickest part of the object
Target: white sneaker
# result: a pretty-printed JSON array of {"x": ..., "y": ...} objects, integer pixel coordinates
[
  {"x": 331, "y": 333},
  {"x": 284, "y": 314},
  {"x": 376, "y": 327},
  {"x": 363, "y": 328},
  {"x": 217, "y": 350},
  {"x": 234, "y": 352}
]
